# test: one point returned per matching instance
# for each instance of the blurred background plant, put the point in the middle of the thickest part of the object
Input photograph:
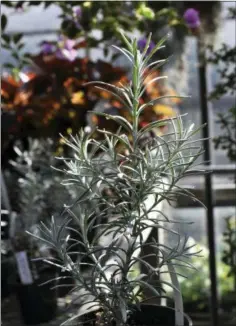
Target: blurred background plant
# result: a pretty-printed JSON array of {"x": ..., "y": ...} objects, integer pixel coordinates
[
  {"x": 39, "y": 193},
  {"x": 196, "y": 287},
  {"x": 225, "y": 58},
  {"x": 36, "y": 194},
  {"x": 43, "y": 94},
  {"x": 229, "y": 253}
]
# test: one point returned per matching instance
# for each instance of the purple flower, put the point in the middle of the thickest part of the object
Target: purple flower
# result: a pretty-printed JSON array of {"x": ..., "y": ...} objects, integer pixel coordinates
[
  {"x": 77, "y": 11},
  {"x": 142, "y": 43},
  {"x": 191, "y": 17},
  {"x": 47, "y": 47}
]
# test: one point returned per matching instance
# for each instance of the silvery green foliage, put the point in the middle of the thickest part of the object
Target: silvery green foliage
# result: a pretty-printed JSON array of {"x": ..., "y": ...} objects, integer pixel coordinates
[
  {"x": 117, "y": 185},
  {"x": 39, "y": 192}
]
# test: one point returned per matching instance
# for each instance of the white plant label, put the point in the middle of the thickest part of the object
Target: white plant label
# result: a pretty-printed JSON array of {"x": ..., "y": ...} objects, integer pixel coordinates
[{"x": 23, "y": 268}]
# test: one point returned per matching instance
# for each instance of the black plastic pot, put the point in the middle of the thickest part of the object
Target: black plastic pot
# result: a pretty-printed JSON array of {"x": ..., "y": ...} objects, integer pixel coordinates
[
  {"x": 149, "y": 315},
  {"x": 7, "y": 276},
  {"x": 38, "y": 303}
]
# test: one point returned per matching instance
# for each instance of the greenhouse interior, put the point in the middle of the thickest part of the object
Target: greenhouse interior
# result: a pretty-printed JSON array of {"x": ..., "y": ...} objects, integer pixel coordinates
[{"x": 118, "y": 170}]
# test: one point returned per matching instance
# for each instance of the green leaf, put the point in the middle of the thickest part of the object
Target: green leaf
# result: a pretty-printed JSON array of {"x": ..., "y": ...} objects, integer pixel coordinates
[
  {"x": 17, "y": 37},
  {"x": 47, "y": 4},
  {"x": 3, "y": 22},
  {"x": 156, "y": 48},
  {"x": 154, "y": 124},
  {"x": 114, "y": 94},
  {"x": 129, "y": 46},
  {"x": 149, "y": 286},
  {"x": 9, "y": 65},
  {"x": 156, "y": 100},
  {"x": 20, "y": 46},
  {"x": 150, "y": 82},
  {"x": 81, "y": 313},
  {"x": 6, "y": 38},
  {"x": 15, "y": 56},
  {"x": 147, "y": 45},
  {"x": 121, "y": 138},
  {"x": 120, "y": 120},
  {"x": 128, "y": 55},
  {"x": 105, "y": 52}
]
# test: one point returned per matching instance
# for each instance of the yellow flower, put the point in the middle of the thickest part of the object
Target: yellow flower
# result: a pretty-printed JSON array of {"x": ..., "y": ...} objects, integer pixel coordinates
[
  {"x": 78, "y": 98},
  {"x": 164, "y": 110},
  {"x": 69, "y": 130},
  {"x": 87, "y": 4}
]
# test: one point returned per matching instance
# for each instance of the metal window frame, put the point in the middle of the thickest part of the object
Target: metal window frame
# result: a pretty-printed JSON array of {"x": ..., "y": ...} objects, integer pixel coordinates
[{"x": 206, "y": 108}]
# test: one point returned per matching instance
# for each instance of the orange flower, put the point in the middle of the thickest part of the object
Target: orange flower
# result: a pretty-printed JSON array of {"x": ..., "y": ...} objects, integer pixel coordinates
[
  {"x": 172, "y": 92},
  {"x": 4, "y": 94},
  {"x": 78, "y": 98},
  {"x": 22, "y": 97},
  {"x": 105, "y": 95},
  {"x": 117, "y": 104},
  {"x": 56, "y": 106},
  {"x": 94, "y": 119}
]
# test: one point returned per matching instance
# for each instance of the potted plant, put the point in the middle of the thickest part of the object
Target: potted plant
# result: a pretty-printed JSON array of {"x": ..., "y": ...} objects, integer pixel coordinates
[
  {"x": 139, "y": 169},
  {"x": 37, "y": 194},
  {"x": 33, "y": 202}
]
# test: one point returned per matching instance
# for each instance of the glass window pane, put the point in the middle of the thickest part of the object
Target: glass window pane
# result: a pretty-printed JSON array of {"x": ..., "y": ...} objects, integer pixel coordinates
[{"x": 36, "y": 18}]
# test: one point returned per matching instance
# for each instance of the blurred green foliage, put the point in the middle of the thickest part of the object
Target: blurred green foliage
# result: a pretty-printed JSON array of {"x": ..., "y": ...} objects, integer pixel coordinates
[
  {"x": 225, "y": 60},
  {"x": 229, "y": 252},
  {"x": 196, "y": 288}
]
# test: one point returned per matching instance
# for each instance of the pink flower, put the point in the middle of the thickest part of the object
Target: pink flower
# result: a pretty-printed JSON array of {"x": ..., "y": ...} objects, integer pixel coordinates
[
  {"x": 66, "y": 49},
  {"x": 191, "y": 17},
  {"x": 69, "y": 55}
]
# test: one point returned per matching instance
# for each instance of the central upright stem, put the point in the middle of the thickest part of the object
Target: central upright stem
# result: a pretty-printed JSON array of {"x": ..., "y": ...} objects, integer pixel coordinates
[{"x": 135, "y": 81}]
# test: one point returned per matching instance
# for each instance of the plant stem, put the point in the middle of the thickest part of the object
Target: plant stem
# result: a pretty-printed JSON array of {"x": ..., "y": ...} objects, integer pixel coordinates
[{"x": 179, "y": 307}]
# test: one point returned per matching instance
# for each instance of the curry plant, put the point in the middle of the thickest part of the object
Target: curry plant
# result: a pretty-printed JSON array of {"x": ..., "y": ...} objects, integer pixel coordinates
[{"x": 118, "y": 176}]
